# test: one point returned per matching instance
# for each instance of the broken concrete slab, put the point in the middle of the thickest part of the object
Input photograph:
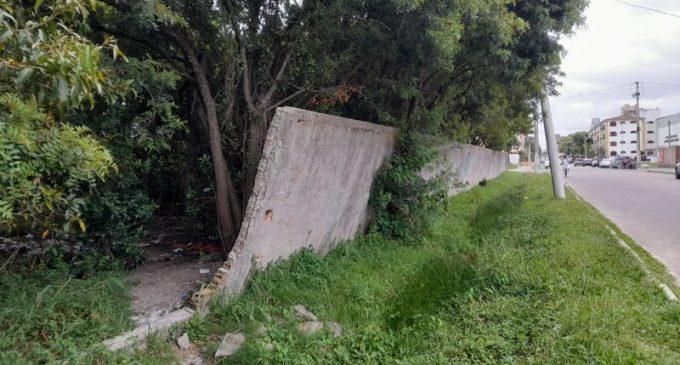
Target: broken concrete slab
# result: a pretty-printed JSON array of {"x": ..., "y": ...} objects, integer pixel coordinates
[
  {"x": 231, "y": 342},
  {"x": 139, "y": 334},
  {"x": 183, "y": 342},
  {"x": 334, "y": 327},
  {"x": 302, "y": 312},
  {"x": 310, "y": 328}
]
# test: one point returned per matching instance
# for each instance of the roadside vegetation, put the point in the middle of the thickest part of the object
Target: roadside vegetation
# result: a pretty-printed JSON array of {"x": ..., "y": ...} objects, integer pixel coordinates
[{"x": 506, "y": 275}]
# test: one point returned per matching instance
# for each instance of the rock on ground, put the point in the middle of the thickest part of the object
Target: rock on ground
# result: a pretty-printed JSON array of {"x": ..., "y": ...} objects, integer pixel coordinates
[
  {"x": 303, "y": 313},
  {"x": 334, "y": 328},
  {"x": 230, "y": 344},
  {"x": 310, "y": 328},
  {"x": 183, "y": 342}
]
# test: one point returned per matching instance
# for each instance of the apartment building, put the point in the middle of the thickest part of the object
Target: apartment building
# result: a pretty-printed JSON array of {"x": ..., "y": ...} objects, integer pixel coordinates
[{"x": 618, "y": 136}]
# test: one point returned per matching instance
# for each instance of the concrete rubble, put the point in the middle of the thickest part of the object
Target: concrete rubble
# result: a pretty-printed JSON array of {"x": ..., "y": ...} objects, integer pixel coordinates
[
  {"x": 231, "y": 342},
  {"x": 303, "y": 313}
]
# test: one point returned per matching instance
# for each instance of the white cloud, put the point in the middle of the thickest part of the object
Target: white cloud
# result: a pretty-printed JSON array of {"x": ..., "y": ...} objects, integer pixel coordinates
[{"x": 619, "y": 45}]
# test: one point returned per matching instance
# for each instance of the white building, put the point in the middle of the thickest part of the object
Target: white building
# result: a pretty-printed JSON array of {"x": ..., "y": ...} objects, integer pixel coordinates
[
  {"x": 668, "y": 139},
  {"x": 618, "y": 136}
]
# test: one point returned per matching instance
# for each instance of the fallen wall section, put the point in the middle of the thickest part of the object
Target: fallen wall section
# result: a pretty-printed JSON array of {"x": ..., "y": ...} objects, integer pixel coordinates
[{"x": 311, "y": 190}]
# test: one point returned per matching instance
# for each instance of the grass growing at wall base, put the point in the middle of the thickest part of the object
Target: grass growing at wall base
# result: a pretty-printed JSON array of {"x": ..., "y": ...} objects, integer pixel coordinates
[{"x": 508, "y": 275}]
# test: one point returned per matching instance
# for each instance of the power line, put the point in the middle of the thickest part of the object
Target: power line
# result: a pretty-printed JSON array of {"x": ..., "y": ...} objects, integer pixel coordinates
[
  {"x": 613, "y": 88},
  {"x": 646, "y": 8}
]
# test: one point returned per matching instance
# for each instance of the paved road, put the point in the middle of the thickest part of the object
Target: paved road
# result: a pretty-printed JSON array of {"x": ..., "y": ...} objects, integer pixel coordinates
[{"x": 645, "y": 205}]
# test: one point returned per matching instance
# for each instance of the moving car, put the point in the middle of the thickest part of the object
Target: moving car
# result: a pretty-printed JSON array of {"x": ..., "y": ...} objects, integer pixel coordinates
[
  {"x": 606, "y": 163},
  {"x": 623, "y": 162}
]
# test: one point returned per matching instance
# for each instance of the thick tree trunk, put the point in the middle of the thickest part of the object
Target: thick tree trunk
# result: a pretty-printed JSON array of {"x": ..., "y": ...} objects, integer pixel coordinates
[{"x": 229, "y": 211}]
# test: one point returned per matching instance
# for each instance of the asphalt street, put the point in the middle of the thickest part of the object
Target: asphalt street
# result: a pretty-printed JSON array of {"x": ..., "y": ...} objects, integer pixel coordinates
[{"x": 645, "y": 205}]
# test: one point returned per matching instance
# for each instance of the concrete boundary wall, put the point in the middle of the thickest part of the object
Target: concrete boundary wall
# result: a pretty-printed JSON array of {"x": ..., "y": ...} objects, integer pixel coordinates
[
  {"x": 312, "y": 188},
  {"x": 466, "y": 165}
]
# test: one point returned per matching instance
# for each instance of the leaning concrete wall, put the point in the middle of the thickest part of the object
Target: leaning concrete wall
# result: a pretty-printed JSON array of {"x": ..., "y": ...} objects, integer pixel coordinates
[
  {"x": 311, "y": 190},
  {"x": 466, "y": 165},
  {"x": 313, "y": 184}
]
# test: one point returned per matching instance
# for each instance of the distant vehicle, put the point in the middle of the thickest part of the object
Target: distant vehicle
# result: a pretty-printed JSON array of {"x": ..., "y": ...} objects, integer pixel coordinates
[
  {"x": 596, "y": 162},
  {"x": 547, "y": 164},
  {"x": 587, "y": 162},
  {"x": 606, "y": 163},
  {"x": 677, "y": 171},
  {"x": 579, "y": 162},
  {"x": 616, "y": 162},
  {"x": 624, "y": 162}
]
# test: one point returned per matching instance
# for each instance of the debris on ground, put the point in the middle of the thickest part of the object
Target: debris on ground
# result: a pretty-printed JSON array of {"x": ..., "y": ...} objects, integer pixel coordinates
[
  {"x": 231, "y": 342},
  {"x": 303, "y": 313},
  {"x": 183, "y": 342}
]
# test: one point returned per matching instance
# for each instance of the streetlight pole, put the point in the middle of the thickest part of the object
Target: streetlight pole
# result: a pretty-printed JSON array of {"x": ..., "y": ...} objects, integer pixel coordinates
[{"x": 558, "y": 186}]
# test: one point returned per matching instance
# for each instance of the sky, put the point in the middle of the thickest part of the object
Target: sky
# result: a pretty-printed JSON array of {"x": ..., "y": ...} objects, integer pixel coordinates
[{"x": 618, "y": 45}]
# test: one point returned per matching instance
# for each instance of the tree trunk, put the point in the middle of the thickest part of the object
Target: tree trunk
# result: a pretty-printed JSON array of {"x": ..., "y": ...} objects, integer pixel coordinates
[{"x": 229, "y": 212}]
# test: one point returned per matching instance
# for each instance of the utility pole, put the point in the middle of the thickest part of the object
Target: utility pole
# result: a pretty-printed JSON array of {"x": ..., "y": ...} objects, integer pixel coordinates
[
  {"x": 537, "y": 146},
  {"x": 558, "y": 186},
  {"x": 637, "y": 122}
]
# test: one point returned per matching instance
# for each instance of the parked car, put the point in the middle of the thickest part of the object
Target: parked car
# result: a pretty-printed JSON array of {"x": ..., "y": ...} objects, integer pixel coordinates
[
  {"x": 606, "y": 163},
  {"x": 623, "y": 162},
  {"x": 596, "y": 162},
  {"x": 547, "y": 164},
  {"x": 677, "y": 171},
  {"x": 579, "y": 162},
  {"x": 587, "y": 162}
]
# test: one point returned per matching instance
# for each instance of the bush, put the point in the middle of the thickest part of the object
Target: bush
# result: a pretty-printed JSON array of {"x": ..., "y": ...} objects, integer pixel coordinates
[
  {"x": 402, "y": 199},
  {"x": 47, "y": 170}
]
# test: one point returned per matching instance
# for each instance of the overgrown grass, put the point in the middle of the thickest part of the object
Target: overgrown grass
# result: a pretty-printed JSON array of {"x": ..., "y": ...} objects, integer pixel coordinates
[
  {"x": 508, "y": 275},
  {"x": 48, "y": 316}
]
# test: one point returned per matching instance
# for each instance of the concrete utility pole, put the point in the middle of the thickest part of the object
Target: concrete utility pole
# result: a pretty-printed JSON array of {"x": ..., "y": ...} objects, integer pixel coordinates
[
  {"x": 537, "y": 146},
  {"x": 637, "y": 122},
  {"x": 558, "y": 185}
]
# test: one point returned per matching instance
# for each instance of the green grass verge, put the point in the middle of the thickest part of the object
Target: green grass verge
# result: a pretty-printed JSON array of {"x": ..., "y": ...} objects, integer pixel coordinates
[
  {"x": 47, "y": 316},
  {"x": 508, "y": 275}
]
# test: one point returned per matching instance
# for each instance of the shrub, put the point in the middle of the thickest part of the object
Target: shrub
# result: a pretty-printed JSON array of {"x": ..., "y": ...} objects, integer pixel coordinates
[
  {"x": 402, "y": 199},
  {"x": 46, "y": 170}
]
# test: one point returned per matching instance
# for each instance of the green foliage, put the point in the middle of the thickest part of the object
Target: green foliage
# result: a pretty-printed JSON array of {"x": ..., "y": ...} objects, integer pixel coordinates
[
  {"x": 47, "y": 166},
  {"x": 403, "y": 201},
  {"x": 46, "y": 170}
]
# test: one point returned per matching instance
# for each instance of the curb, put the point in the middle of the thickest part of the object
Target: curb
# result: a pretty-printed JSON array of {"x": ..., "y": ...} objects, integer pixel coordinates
[{"x": 661, "y": 172}]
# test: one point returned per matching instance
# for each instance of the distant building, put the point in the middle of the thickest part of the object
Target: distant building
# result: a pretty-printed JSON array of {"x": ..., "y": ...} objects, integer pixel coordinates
[
  {"x": 668, "y": 139},
  {"x": 618, "y": 136}
]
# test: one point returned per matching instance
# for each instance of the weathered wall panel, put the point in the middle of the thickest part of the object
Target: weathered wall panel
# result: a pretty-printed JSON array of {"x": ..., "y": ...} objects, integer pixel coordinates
[
  {"x": 311, "y": 189},
  {"x": 313, "y": 184}
]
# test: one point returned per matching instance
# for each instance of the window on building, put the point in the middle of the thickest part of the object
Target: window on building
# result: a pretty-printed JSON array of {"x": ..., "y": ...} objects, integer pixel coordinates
[
  {"x": 633, "y": 142},
  {"x": 633, "y": 152},
  {"x": 622, "y": 122},
  {"x": 623, "y": 152},
  {"x": 650, "y": 132},
  {"x": 613, "y": 144},
  {"x": 612, "y": 153},
  {"x": 612, "y": 134},
  {"x": 623, "y": 142},
  {"x": 650, "y": 141},
  {"x": 622, "y": 132},
  {"x": 612, "y": 124}
]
